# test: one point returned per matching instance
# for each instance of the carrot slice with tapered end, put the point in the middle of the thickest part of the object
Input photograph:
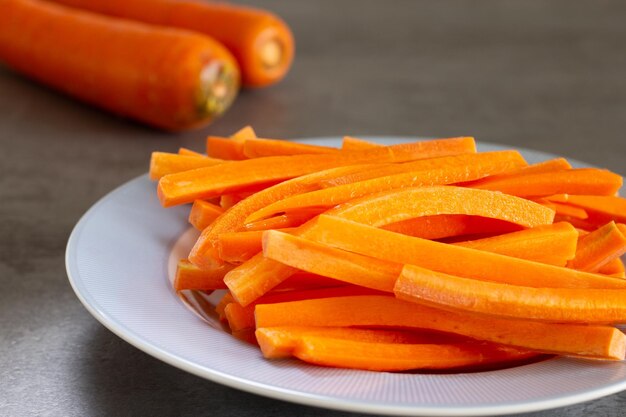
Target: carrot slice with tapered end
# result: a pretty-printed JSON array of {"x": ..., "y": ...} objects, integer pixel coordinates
[
  {"x": 205, "y": 250},
  {"x": 598, "y": 248},
  {"x": 189, "y": 152},
  {"x": 551, "y": 244},
  {"x": 355, "y": 144},
  {"x": 245, "y": 133},
  {"x": 573, "y": 181},
  {"x": 256, "y": 148},
  {"x": 391, "y": 357},
  {"x": 290, "y": 220},
  {"x": 450, "y": 225},
  {"x": 241, "y": 317},
  {"x": 163, "y": 163},
  {"x": 614, "y": 268},
  {"x": 471, "y": 263},
  {"x": 602, "y": 342},
  {"x": 607, "y": 208},
  {"x": 203, "y": 213},
  {"x": 229, "y": 200},
  {"x": 564, "y": 209},
  {"x": 323, "y": 260},
  {"x": 280, "y": 342},
  {"x": 190, "y": 277},
  {"x": 236, "y": 247},
  {"x": 495, "y": 163},
  {"x": 402, "y": 204},
  {"x": 225, "y": 148},
  {"x": 226, "y": 299},
  {"x": 562, "y": 305},
  {"x": 235, "y": 176},
  {"x": 435, "y": 171}
]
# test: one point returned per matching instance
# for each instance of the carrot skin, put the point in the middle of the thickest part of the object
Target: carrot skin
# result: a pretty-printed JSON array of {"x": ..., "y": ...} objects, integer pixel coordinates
[{"x": 100, "y": 64}]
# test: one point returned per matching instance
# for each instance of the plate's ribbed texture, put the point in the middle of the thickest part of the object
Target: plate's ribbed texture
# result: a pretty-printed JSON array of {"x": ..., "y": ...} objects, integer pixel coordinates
[{"x": 117, "y": 260}]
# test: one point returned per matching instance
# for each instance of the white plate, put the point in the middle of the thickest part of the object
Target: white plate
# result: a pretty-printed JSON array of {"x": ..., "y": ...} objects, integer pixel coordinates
[{"x": 117, "y": 263}]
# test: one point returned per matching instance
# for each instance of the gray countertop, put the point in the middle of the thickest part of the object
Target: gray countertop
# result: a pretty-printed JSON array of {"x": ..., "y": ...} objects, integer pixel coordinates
[{"x": 548, "y": 75}]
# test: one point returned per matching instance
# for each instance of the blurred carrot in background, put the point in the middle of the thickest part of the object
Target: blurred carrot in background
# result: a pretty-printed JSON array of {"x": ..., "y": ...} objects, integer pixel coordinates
[
  {"x": 260, "y": 41},
  {"x": 169, "y": 78}
]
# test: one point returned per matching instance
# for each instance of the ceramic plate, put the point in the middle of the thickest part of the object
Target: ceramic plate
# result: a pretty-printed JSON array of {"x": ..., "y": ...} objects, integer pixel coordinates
[{"x": 117, "y": 262}]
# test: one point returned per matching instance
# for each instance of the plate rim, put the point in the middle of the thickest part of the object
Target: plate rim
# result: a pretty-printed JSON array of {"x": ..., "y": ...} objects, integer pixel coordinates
[{"x": 298, "y": 397}]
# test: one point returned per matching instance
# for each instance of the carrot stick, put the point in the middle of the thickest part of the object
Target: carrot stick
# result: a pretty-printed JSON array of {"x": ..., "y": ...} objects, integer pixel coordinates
[
  {"x": 436, "y": 171},
  {"x": 284, "y": 221},
  {"x": 450, "y": 225},
  {"x": 256, "y": 148},
  {"x": 180, "y": 80},
  {"x": 602, "y": 342},
  {"x": 203, "y": 213},
  {"x": 236, "y": 247},
  {"x": 229, "y": 200},
  {"x": 391, "y": 357},
  {"x": 280, "y": 342},
  {"x": 236, "y": 176},
  {"x": 599, "y": 247},
  {"x": 190, "y": 277},
  {"x": 226, "y": 299},
  {"x": 301, "y": 281},
  {"x": 574, "y": 181},
  {"x": 470, "y": 263},
  {"x": 607, "y": 208},
  {"x": 551, "y": 165},
  {"x": 242, "y": 317},
  {"x": 189, "y": 152},
  {"x": 205, "y": 250},
  {"x": 354, "y": 144},
  {"x": 243, "y": 134},
  {"x": 163, "y": 163},
  {"x": 495, "y": 163},
  {"x": 563, "y": 209},
  {"x": 230, "y": 149},
  {"x": 309, "y": 256},
  {"x": 562, "y": 305},
  {"x": 614, "y": 267},
  {"x": 553, "y": 244},
  {"x": 260, "y": 41}
]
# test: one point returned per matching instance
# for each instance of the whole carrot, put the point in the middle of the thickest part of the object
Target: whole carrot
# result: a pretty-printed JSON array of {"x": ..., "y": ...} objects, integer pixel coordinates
[
  {"x": 169, "y": 78},
  {"x": 260, "y": 41}
]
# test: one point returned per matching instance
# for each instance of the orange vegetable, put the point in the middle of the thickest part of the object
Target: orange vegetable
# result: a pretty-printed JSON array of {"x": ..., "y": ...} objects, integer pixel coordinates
[
  {"x": 564, "y": 209},
  {"x": 260, "y": 41},
  {"x": 450, "y": 225},
  {"x": 354, "y": 144},
  {"x": 229, "y": 177},
  {"x": 230, "y": 149},
  {"x": 163, "y": 163},
  {"x": 189, "y": 152},
  {"x": 203, "y": 213},
  {"x": 236, "y": 247},
  {"x": 256, "y": 148},
  {"x": 574, "y": 181},
  {"x": 470, "y": 263},
  {"x": 192, "y": 78},
  {"x": 604, "y": 208},
  {"x": 595, "y": 341},
  {"x": 614, "y": 267},
  {"x": 229, "y": 200},
  {"x": 226, "y": 299},
  {"x": 190, "y": 277},
  {"x": 551, "y": 244},
  {"x": 600, "y": 247},
  {"x": 435, "y": 171},
  {"x": 281, "y": 222},
  {"x": 562, "y": 305}
]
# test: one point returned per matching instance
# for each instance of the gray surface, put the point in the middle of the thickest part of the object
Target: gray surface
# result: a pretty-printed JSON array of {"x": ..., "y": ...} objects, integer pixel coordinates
[{"x": 547, "y": 75}]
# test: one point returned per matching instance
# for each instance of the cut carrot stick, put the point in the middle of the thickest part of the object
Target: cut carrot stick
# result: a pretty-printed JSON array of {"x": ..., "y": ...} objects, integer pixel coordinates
[
  {"x": 354, "y": 144},
  {"x": 606, "y": 208},
  {"x": 450, "y": 225},
  {"x": 602, "y": 342},
  {"x": 551, "y": 165},
  {"x": 470, "y": 263},
  {"x": 323, "y": 260},
  {"x": 180, "y": 80},
  {"x": 614, "y": 267},
  {"x": 205, "y": 250},
  {"x": 163, "y": 163},
  {"x": 260, "y": 41},
  {"x": 256, "y": 148},
  {"x": 574, "y": 181},
  {"x": 203, "y": 213},
  {"x": 553, "y": 244},
  {"x": 238, "y": 176},
  {"x": 240, "y": 317},
  {"x": 229, "y": 200},
  {"x": 189, "y": 152},
  {"x": 301, "y": 281},
  {"x": 280, "y": 342},
  {"x": 284, "y": 221},
  {"x": 391, "y": 357},
  {"x": 494, "y": 163},
  {"x": 236, "y": 247},
  {"x": 226, "y": 299},
  {"x": 243, "y": 134},
  {"x": 561, "y": 305},
  {"x": 599, "y": 247},
  {"x": 225, "y": 148},
  {"x": 190, "y": 277},
  {"x": 563, "y": 209},
  {"x": 445, "y": 171}
]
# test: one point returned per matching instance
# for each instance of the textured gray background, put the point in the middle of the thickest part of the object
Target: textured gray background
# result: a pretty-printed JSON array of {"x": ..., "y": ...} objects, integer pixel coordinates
[{"x": 548, "y": 75}]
